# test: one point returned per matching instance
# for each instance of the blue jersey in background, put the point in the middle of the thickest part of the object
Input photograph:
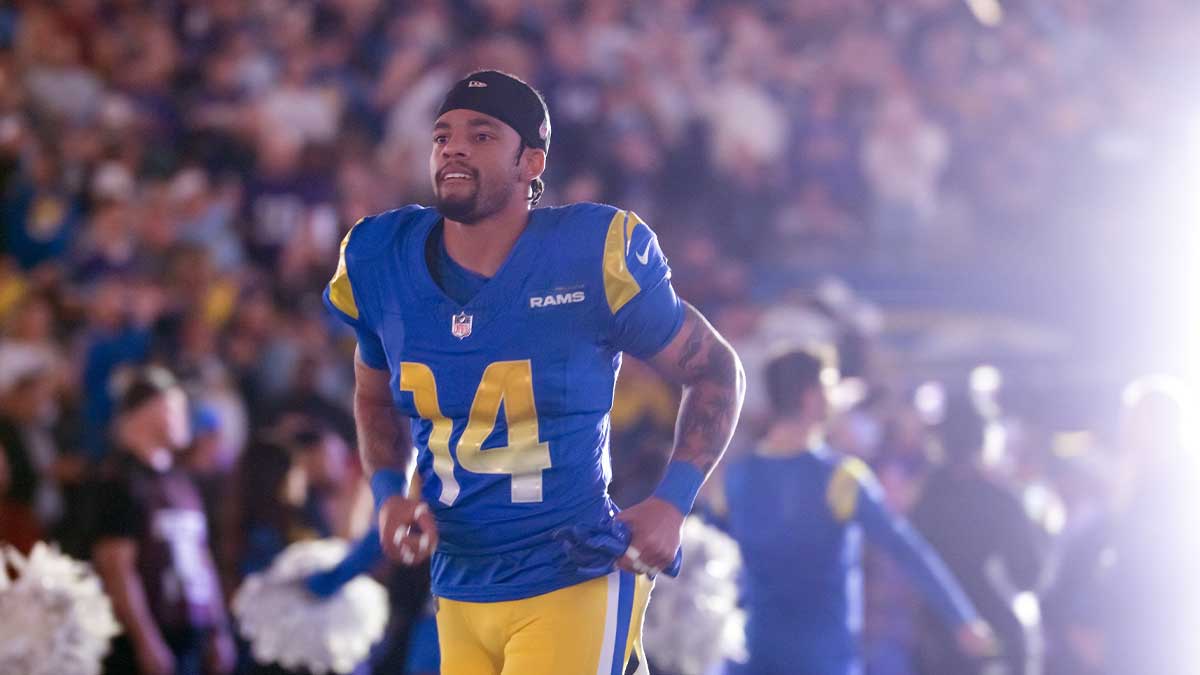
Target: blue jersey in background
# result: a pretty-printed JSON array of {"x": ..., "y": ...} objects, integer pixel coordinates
[{"x": 799, "y": 521}]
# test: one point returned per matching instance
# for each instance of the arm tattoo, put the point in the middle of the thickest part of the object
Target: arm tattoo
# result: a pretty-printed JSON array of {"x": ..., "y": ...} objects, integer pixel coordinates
[
  {"x": 713, "y": 387},
  {"x": 692, "y": 347}
]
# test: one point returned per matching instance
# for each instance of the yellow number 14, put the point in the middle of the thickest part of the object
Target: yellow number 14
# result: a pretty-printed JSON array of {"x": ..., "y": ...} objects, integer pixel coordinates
[{"x": 524, "y": 458}]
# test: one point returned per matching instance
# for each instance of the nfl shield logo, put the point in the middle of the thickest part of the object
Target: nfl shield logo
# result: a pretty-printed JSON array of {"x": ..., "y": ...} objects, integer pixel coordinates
[{"x": 460, "y": 325}]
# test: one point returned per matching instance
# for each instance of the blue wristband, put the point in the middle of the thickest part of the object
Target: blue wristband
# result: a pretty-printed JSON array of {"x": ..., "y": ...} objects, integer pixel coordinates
[
  {"x": 387, "y": 483},
  {"x": 680, "y": 485}
]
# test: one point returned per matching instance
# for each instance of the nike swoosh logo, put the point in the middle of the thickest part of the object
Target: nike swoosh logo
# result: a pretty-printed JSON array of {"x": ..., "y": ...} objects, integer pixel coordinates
[{"x": 644, "y": 256}]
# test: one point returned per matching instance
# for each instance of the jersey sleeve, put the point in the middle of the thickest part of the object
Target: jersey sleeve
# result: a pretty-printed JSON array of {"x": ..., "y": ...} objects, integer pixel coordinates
[
  {"x": 854, "y": 494},
  {"x": 343, "y": 301},
  {"x": 646, "y": 313}
]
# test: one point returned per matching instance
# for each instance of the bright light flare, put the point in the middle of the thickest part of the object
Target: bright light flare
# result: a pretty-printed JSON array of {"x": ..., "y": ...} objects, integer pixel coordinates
[
  {"x": 1188, "y": 300},
  {"x": 987, "y": 12},
  {"x": 986, "y": 379},
  {"x": 930, "y": 402}
]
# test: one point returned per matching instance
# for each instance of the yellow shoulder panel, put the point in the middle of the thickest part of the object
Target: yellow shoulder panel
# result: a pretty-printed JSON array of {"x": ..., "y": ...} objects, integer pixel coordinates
[
  {"x": 842, "y": 493},
  {"x": 340, "y": 292},
  {"x": 619, "y": 285}
]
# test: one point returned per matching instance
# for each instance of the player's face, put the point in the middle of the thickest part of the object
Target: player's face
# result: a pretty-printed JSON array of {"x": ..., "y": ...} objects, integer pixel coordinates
[{"x": 474, "y": 165}]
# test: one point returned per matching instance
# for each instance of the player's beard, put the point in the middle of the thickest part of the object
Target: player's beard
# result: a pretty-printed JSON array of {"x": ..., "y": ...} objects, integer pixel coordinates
[{"x": 488, "y": 197}]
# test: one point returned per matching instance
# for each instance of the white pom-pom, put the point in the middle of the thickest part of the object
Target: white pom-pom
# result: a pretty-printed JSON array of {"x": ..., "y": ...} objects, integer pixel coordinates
[
  {"x": 54, "y": 616},
  {"x": 706, "y": 592},
  {"x": 285, "y": 624}
]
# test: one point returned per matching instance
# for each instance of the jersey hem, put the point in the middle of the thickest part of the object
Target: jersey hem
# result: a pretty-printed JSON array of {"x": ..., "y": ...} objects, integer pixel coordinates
[{"x": 494, "y": 593}]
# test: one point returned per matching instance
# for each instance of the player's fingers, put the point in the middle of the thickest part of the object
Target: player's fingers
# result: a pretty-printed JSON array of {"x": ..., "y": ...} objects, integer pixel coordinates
[
  {"x": 631, "y": 560},
  {"x": 633, "y": 568},
  {"x": 421, "y": 514},
  {"x": 395, "y": 516},
  {"x": 633, "y": 553},
  {"x": 406, "y": 550},
  {"x": 414, "y": 548},
  {"x": 648, "y": 562},
  {"x": 423, "y": 518},
  {"x": 656, "y": 558},
  {"x": 392, "y": 537}
]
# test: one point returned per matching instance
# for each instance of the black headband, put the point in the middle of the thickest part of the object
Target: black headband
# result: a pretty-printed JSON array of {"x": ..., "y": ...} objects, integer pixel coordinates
[{"x": 508, "y": 99}]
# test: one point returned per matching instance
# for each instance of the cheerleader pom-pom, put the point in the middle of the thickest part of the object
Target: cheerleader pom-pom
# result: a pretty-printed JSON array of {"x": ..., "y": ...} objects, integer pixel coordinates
[
  {"x": 706, "y": 592},
  {"x": 288, "y": 625},
  {"x": 54, "y": 616}
]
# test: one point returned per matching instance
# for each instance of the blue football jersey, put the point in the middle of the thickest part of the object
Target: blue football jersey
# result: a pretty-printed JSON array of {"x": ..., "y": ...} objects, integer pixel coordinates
[
  {"x": 800, "y": 521},
  {"x": 509, "y": 393}
]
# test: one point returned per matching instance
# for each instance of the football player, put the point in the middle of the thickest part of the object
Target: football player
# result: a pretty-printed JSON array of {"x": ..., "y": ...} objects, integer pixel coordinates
[
  {"x": 799, "y": 510},
  {"x": 489, "y": 336}
]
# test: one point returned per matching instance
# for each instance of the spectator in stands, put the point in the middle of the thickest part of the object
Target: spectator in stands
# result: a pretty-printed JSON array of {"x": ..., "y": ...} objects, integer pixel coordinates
[
  {"x": 289, "y": 480},
  {"x": 151, "y": 545},
  {"x": 115, "y": 336},
  {"x": 29, "y": 500}
]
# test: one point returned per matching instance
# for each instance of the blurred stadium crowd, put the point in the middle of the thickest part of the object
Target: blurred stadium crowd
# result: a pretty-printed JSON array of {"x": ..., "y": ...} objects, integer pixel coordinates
[{"x": 175, "y": 176}]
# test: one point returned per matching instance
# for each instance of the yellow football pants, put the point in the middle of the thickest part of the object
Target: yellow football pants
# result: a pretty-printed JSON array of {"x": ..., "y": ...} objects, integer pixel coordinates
[{"x": 590, "y": 628}]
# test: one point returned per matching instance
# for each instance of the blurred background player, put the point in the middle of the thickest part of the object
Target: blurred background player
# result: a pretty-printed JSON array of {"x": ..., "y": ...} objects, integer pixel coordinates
[
  {"x": 1152, "y": 601},
  {"x": 151, "y": 544},
  {"x": 1125, "y": 585},
  {"x": 799, "y": 510},
  {"x": 981, "y": 530}
]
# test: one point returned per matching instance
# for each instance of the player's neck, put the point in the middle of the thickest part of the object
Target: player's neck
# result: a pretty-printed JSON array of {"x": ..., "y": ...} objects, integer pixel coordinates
[
  {"x": 791, "y": 437},
  {"x": 484, "y": 246}
]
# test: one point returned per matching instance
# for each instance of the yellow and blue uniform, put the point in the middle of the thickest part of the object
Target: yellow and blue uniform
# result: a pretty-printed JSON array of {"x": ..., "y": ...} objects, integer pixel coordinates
[
  {"x": 509, "y": 391},
  {"x": 799, "y": 521}
]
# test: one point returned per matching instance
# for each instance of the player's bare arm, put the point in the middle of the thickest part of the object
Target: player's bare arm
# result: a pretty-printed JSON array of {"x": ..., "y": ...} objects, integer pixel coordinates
[
  {"x": 714, "y": 384},
  {"x": 386, "y": 448}
]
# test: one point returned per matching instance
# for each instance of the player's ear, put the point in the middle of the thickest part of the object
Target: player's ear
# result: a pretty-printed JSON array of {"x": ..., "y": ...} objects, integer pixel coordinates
[{"x": 533, "y": 164}]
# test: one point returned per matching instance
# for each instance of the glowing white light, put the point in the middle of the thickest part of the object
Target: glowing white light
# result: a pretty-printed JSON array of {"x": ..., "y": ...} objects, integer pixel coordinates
[
  {"x": 830, "y": 376},
  {"x": 995, "y": 444},
  {"x": 1025, "y": 607},
  {"x": 987, "y": 12},
  {"x": 986, "y": 379},
  {"x": 1189, "y": 301},
  {"x": 847, "y": 393},
  {"x": 930, "y": 402},
  {"x": 1173, "y": 387},
  {"x": 1166, "y": 384}
]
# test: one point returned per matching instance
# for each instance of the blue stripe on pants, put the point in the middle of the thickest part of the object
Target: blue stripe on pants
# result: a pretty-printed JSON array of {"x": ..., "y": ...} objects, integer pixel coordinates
[{"x": 624, "y": 614}]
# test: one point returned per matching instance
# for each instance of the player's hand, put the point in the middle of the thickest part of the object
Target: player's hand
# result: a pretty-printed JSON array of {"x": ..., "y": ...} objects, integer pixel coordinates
[
  {"x": 977, "y": 640},
  {"x": 655, "y": 525},
  {"x": 407, "y": 530}
]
